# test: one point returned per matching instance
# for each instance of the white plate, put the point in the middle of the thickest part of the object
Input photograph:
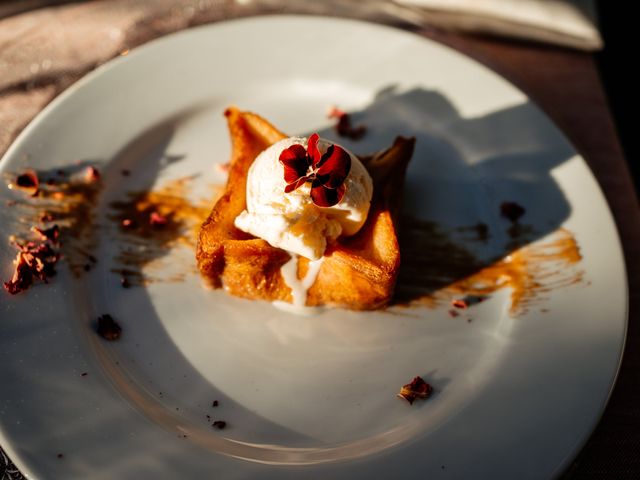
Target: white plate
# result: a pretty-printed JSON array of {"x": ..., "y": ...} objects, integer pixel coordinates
[{"x": 516, "y": 395}]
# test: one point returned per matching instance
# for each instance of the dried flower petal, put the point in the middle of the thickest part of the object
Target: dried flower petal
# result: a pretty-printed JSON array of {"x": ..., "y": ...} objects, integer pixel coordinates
[
  {"x": 34, "y": 261},
  {"x": 92, "y": 174},
  {"x": 344, "y": 127},
  {"x": 223, "y": 167},
  {"x": 51, "y": 233},
  {"x": 108, "y": 328},
  {"x": 157, "y": 220},
  {"x": 512, "y": 211},
  {"x": 220, "y": 424},
  {"x": 28, "y": 181},
  {"x": 418, "y": 388},
  {"x": 459, "y": 303},
  {"x": 22, "y": 276}
]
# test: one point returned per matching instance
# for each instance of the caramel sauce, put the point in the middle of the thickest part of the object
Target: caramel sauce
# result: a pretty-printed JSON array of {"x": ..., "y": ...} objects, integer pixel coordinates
[
  {"x": 435, "y": 268},
  {"x": 143, "y": 243},
  {"x": 436, "y": 264}
]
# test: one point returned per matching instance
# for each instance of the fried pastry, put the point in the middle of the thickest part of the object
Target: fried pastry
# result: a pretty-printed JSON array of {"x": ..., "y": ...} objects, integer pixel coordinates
[{"x": 356, "y": 271}]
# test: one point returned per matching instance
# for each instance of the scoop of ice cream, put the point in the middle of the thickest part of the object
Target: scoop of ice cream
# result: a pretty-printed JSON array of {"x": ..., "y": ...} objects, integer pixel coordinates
[{"x": 292, "y": 221}]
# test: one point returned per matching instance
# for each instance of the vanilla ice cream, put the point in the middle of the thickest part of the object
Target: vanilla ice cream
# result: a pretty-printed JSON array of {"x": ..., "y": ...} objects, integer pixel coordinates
[{"x": 292, "y": 221}]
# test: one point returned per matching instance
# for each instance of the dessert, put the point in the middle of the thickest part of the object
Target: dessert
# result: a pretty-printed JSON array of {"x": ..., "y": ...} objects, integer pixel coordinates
[
  {"x": 292, "y": 220},
  {"x": 303, "y": 222}
]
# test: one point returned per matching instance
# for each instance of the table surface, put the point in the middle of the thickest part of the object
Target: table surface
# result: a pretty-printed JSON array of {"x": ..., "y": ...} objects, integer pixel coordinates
[{"x": 564, "y": 83}]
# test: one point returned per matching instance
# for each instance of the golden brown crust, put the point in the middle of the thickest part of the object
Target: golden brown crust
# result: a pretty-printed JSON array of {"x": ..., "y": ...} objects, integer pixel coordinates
[{"x": 358, "y": 272}]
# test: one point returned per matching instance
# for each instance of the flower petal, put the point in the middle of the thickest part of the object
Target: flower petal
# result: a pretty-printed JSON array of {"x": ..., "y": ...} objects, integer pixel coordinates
[
  {"x": 334, "y": 167},
  {"x": 295, "y": 163},
  {"x": 312, "y": 150},
  {"x": 295, "y": 185},
  {"x": 326, "y": 197}
]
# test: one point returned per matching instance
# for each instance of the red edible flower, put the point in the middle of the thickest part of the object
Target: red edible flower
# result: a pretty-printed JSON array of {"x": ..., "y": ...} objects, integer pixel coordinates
[{"x": 326, "y": 173}]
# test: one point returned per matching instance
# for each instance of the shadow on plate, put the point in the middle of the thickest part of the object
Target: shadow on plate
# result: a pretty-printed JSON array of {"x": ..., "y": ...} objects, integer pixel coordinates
[{"x": 467, "y": 176}]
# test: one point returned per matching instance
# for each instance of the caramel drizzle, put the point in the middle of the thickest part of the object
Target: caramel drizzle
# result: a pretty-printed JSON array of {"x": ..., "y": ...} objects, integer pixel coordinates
[
  {"x": 144, "y": 246},
  {"x": 435, "y": 269}
]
